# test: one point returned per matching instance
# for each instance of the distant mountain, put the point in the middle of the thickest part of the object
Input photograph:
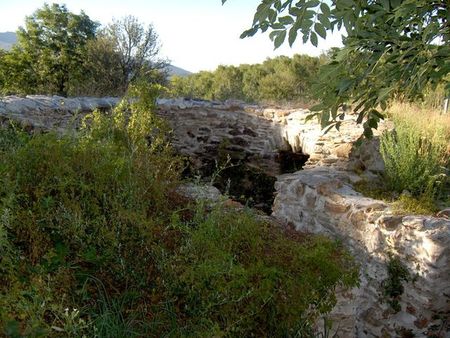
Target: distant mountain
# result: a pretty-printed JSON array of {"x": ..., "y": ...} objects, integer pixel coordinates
[
  {"x": 7, "y": 40},
  {"x": 173, "y": 70}
]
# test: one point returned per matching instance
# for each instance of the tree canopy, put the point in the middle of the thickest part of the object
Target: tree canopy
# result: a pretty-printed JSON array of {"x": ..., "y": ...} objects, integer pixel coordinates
[
  {"x": 391, "y": 48},
  {"x": 138, "y": 48},
  {"x": 59, "y": 52},
  {"x": 53, "y": 42},
  {"x": 280, "y": 79}
]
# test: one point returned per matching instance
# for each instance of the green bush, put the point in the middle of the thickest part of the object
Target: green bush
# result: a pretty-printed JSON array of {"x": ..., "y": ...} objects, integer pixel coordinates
[
  {"x": 242, "y": 277},
  {"x": 414, "y": 160},
  {"x": 95, "y": 242}
]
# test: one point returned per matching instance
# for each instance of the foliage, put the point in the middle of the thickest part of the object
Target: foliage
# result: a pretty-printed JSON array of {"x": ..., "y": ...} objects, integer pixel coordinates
[
  {"x": 391, "y": 48},
  {"x": 393, "y": 285},
  {"x": 137, "y": 47},
  {"x": 401, "y": 204},
  {"x": 63, "y": 53},
  {"x": 53, "y": 43},
  {"x": 281, "y": 79},
  {"x": 415, "y": 159},
  {"x": 102, "y": 72},
  {"x": 94, "y": 241},
  {"x": 241, "y": 277},
  {"x": 410, "y": 205}
]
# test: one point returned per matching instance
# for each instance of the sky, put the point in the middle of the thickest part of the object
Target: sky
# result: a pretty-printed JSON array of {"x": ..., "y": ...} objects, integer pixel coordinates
[{"x": 195, "y": 34}]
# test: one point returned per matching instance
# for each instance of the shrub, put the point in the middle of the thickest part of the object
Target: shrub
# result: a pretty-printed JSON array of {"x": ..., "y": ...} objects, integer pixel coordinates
[
  {"x": 415, "y": 157},
  {"x": 244, "y": 277}
]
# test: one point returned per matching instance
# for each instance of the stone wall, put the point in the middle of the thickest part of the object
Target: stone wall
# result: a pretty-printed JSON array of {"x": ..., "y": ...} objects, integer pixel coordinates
[
  {"x": 199, "y": 127},
  {"x": 322, "y": 200}
]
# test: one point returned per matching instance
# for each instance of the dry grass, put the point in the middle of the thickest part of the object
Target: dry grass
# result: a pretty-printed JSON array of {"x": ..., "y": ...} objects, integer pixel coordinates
[
  {"x": 430, "y": 121},
  {"x": 419, "y": 155}
]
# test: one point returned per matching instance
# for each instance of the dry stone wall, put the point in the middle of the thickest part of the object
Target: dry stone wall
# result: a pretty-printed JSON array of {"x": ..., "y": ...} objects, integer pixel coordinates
[
  {"x": 322, "y": 200},
  {"x": 199, "y": 127}
]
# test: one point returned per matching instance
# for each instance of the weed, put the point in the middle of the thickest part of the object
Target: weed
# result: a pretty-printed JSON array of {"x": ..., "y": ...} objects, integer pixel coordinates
[
  {"x": 416, "y": 156},
  {"x": 393, "y": 285}
]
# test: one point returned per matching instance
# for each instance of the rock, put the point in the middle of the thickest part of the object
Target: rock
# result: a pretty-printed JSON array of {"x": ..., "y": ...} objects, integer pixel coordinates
[
  {"x": 445, "y": 213},
  {"x": 390, "y": 222},
  {"x": 200, "y": 192},
  {"x": 335, "y": 207},
  {"x": 343, "y": 150}
]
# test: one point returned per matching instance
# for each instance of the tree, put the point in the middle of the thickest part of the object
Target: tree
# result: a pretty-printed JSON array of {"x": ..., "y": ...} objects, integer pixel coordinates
[
  {"x": 227, "y": 83},
  {"x": 51, "y": 47},
  {"x": 138, "y": 48},
  {"x": 102, "y": 71},
  {"x": 392, "y": 48}
]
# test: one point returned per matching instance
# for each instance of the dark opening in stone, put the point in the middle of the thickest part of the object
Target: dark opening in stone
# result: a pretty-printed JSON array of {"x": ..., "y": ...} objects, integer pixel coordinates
[
  {"x": 247, "y": 185},
  {"x": 291, "y": 162},
  {"x": 243, "y": 176}
]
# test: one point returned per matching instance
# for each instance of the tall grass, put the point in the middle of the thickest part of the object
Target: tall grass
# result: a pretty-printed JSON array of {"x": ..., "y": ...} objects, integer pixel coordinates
[{"x": 416, "y": 152}]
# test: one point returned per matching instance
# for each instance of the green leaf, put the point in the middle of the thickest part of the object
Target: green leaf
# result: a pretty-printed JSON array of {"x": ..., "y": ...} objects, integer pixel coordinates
[
  {"x": 280, "y": 39},
  {"x": 306, "y": 24},
  {"x": 318, "y": 107},
  {"x": 324, "y": 21},
  {"x": 294, "y": 11},
  {"x": 277, "y": 25},
  {"x": 248, "y": 32},
  {"x": 383, "y": 93},
  {"x": 330, "y": 126},
  {"x": 325, "y": 9},
  {"x": 292, "y": 36},
  {"x": 305, "y": 38},
  {"x": 324, "y": 118},
  {"x": 309, "y": 117},
  {"x": 272, "y": 14},
  {"x": 320, "y": 30},
  {"x": 372, "y": 123},
  {"x": 385, "y": 4},
  {"x": 377, "y": 114},
  {"x": 286, "y": 20},
  {"x": 344, "y": 85},
  {"x": 360, "y": 117},
  {"x": 345, "y": 3},
  {"x": 368, "y": 133},
  {"x": 312, "y": 3}
]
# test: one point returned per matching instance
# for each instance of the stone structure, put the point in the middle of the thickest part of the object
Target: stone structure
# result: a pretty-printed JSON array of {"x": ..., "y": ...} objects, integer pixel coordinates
[
  {"x": 322, "y": 200},
  {"x": 319, "y": 199},
  {"x": 250, "y": 132}
]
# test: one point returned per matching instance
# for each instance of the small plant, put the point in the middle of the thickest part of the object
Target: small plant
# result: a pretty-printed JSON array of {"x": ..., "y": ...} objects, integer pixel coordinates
[
  {"x": 393, "y": 286},
  {"x": 422, "y": 205}
]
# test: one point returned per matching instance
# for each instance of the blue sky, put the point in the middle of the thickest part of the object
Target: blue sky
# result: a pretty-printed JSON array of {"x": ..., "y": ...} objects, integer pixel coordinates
[{"x": 195, "y": 35}]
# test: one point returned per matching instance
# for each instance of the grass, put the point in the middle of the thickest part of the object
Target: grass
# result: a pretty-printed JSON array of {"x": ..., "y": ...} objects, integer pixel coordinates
[{"x": 95, "y": 242}]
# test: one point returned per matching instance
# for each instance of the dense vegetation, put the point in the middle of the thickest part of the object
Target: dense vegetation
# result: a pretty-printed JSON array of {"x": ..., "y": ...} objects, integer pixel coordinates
[
  {"x": 281, "y": 79},
  {"x": 63, "y": 53},
  {"x": 95, "y": 241}
]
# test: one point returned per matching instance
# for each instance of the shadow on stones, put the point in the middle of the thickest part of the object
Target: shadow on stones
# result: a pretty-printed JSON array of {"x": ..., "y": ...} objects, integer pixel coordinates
[
  {"x": 244, "y": 177},
  {"x": 291, "y": 162}
]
